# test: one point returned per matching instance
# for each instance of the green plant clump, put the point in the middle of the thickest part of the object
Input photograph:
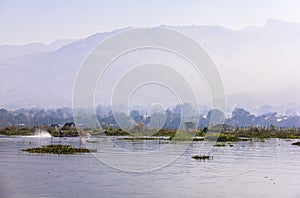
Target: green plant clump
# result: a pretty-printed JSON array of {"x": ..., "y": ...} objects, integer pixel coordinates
[
  {"x": 219, "y": 145},
  {"x": 296, "y": 143},
  {"x": 58, "y": 149},
  {"x": 223, "y": 137},
  {"x": 202, "y": 157},
  {"x": 12, "y": 130}
]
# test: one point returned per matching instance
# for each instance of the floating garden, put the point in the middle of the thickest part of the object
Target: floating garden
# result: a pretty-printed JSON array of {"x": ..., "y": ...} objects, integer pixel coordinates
[
  {"x": 202, "y": 157},
  {"x": 58, "y": 149},
  {"x": 296, "y": 143}
]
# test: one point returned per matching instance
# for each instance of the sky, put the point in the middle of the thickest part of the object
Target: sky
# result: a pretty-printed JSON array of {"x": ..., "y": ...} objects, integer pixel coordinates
[{"x": 27, "y": 21}]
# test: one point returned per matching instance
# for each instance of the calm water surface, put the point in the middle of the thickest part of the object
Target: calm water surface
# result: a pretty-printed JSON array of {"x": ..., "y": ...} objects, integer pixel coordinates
[{"x": 248, "y": 169}]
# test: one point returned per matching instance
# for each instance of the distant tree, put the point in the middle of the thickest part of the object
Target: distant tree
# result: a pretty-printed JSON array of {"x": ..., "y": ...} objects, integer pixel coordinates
[
  {"x": 136, "y": 116},
  {"x": 157, "y": 121},
  {"x": 22, "y": 118},
  {"x": 242, "y": 118},
  {"x": 215, "y": 116}
]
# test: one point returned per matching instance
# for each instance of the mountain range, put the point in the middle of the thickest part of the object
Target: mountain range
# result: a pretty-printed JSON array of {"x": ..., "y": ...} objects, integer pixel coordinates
[{"x": 258, "y": 65}]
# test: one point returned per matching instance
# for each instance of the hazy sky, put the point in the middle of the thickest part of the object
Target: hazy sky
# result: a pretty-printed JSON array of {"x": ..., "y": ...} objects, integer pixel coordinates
[{"x": 25, "y": 21}]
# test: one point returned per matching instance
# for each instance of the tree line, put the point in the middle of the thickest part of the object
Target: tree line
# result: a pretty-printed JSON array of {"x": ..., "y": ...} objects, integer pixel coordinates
[{"x": 170, "y": 118}]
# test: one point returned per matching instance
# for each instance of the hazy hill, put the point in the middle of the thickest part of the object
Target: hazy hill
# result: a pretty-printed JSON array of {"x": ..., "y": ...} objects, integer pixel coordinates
[
  {"x": 16, "y": 51},
  {"x": 258, "y": 65}
]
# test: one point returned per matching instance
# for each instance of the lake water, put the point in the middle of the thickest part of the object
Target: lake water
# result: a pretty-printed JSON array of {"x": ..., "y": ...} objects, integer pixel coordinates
[{"x": 248, "y": 169}]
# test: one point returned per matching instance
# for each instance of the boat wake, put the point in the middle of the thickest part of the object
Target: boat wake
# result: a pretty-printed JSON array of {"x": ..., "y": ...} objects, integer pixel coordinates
[{"x": 40, "y": 134}]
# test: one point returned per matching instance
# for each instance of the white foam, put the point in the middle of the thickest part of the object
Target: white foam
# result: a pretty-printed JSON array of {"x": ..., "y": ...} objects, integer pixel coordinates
[{"x": 41, "y": 134}]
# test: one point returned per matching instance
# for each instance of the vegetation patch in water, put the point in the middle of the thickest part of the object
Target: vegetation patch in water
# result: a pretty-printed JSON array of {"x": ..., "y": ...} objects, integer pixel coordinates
[
  {"x": 223, "y": 137},
  {"x": 202, "y": 157},
  {"x": 58, "y": 149},
  {"x": 142, "y": 138},
  {"x": 296, "y": 143},
  {"x": 196, "y": 139},
  {"x": 12, "y": 130},
  {"x": 93, "y": 141},
  {"x": 220, "y": 145}
]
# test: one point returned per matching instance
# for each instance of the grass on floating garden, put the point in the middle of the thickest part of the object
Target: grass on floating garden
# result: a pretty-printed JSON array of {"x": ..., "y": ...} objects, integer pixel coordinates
[
  {"x": 223, "y": 137},
  {"x": 58, "y": 149},
  {"x": 296, "y": 143},
  {"x": 202, "y": 157},
  {"x": 220, "y": 145}
]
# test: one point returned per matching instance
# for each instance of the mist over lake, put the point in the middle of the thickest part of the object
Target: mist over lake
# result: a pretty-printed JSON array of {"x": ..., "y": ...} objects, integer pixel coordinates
[{"x": 149, "y": 99}]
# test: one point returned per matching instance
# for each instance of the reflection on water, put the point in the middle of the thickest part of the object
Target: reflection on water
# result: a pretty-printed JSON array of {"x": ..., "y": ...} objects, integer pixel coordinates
[{"x": 248, "y": 169}]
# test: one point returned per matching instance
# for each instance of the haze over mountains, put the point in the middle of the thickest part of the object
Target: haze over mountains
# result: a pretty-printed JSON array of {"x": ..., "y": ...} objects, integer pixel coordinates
[{"x": 259, "y": 66}]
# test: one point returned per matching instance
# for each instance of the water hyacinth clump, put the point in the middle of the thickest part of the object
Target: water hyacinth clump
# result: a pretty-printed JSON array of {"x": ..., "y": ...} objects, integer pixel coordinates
[
  {"x": 220, "y": 145},
  {"x": 57, "y": 149},
  {"x": 296, "y": 143},
  {"x": 202, "y": 157}
]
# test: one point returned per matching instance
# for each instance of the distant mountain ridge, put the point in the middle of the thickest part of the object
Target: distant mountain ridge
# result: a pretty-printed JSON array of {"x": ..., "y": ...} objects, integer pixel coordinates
[
  {"x": 251, "y": 60},
  {"x": 14, "y": 51}
]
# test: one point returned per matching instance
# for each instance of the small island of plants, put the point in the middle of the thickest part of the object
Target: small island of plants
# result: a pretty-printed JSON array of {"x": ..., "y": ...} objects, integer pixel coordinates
[
  {"x": 202, "y": 157},
  {"x": 58, "y": 149},
  {"x": 296, "y": 143}
]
